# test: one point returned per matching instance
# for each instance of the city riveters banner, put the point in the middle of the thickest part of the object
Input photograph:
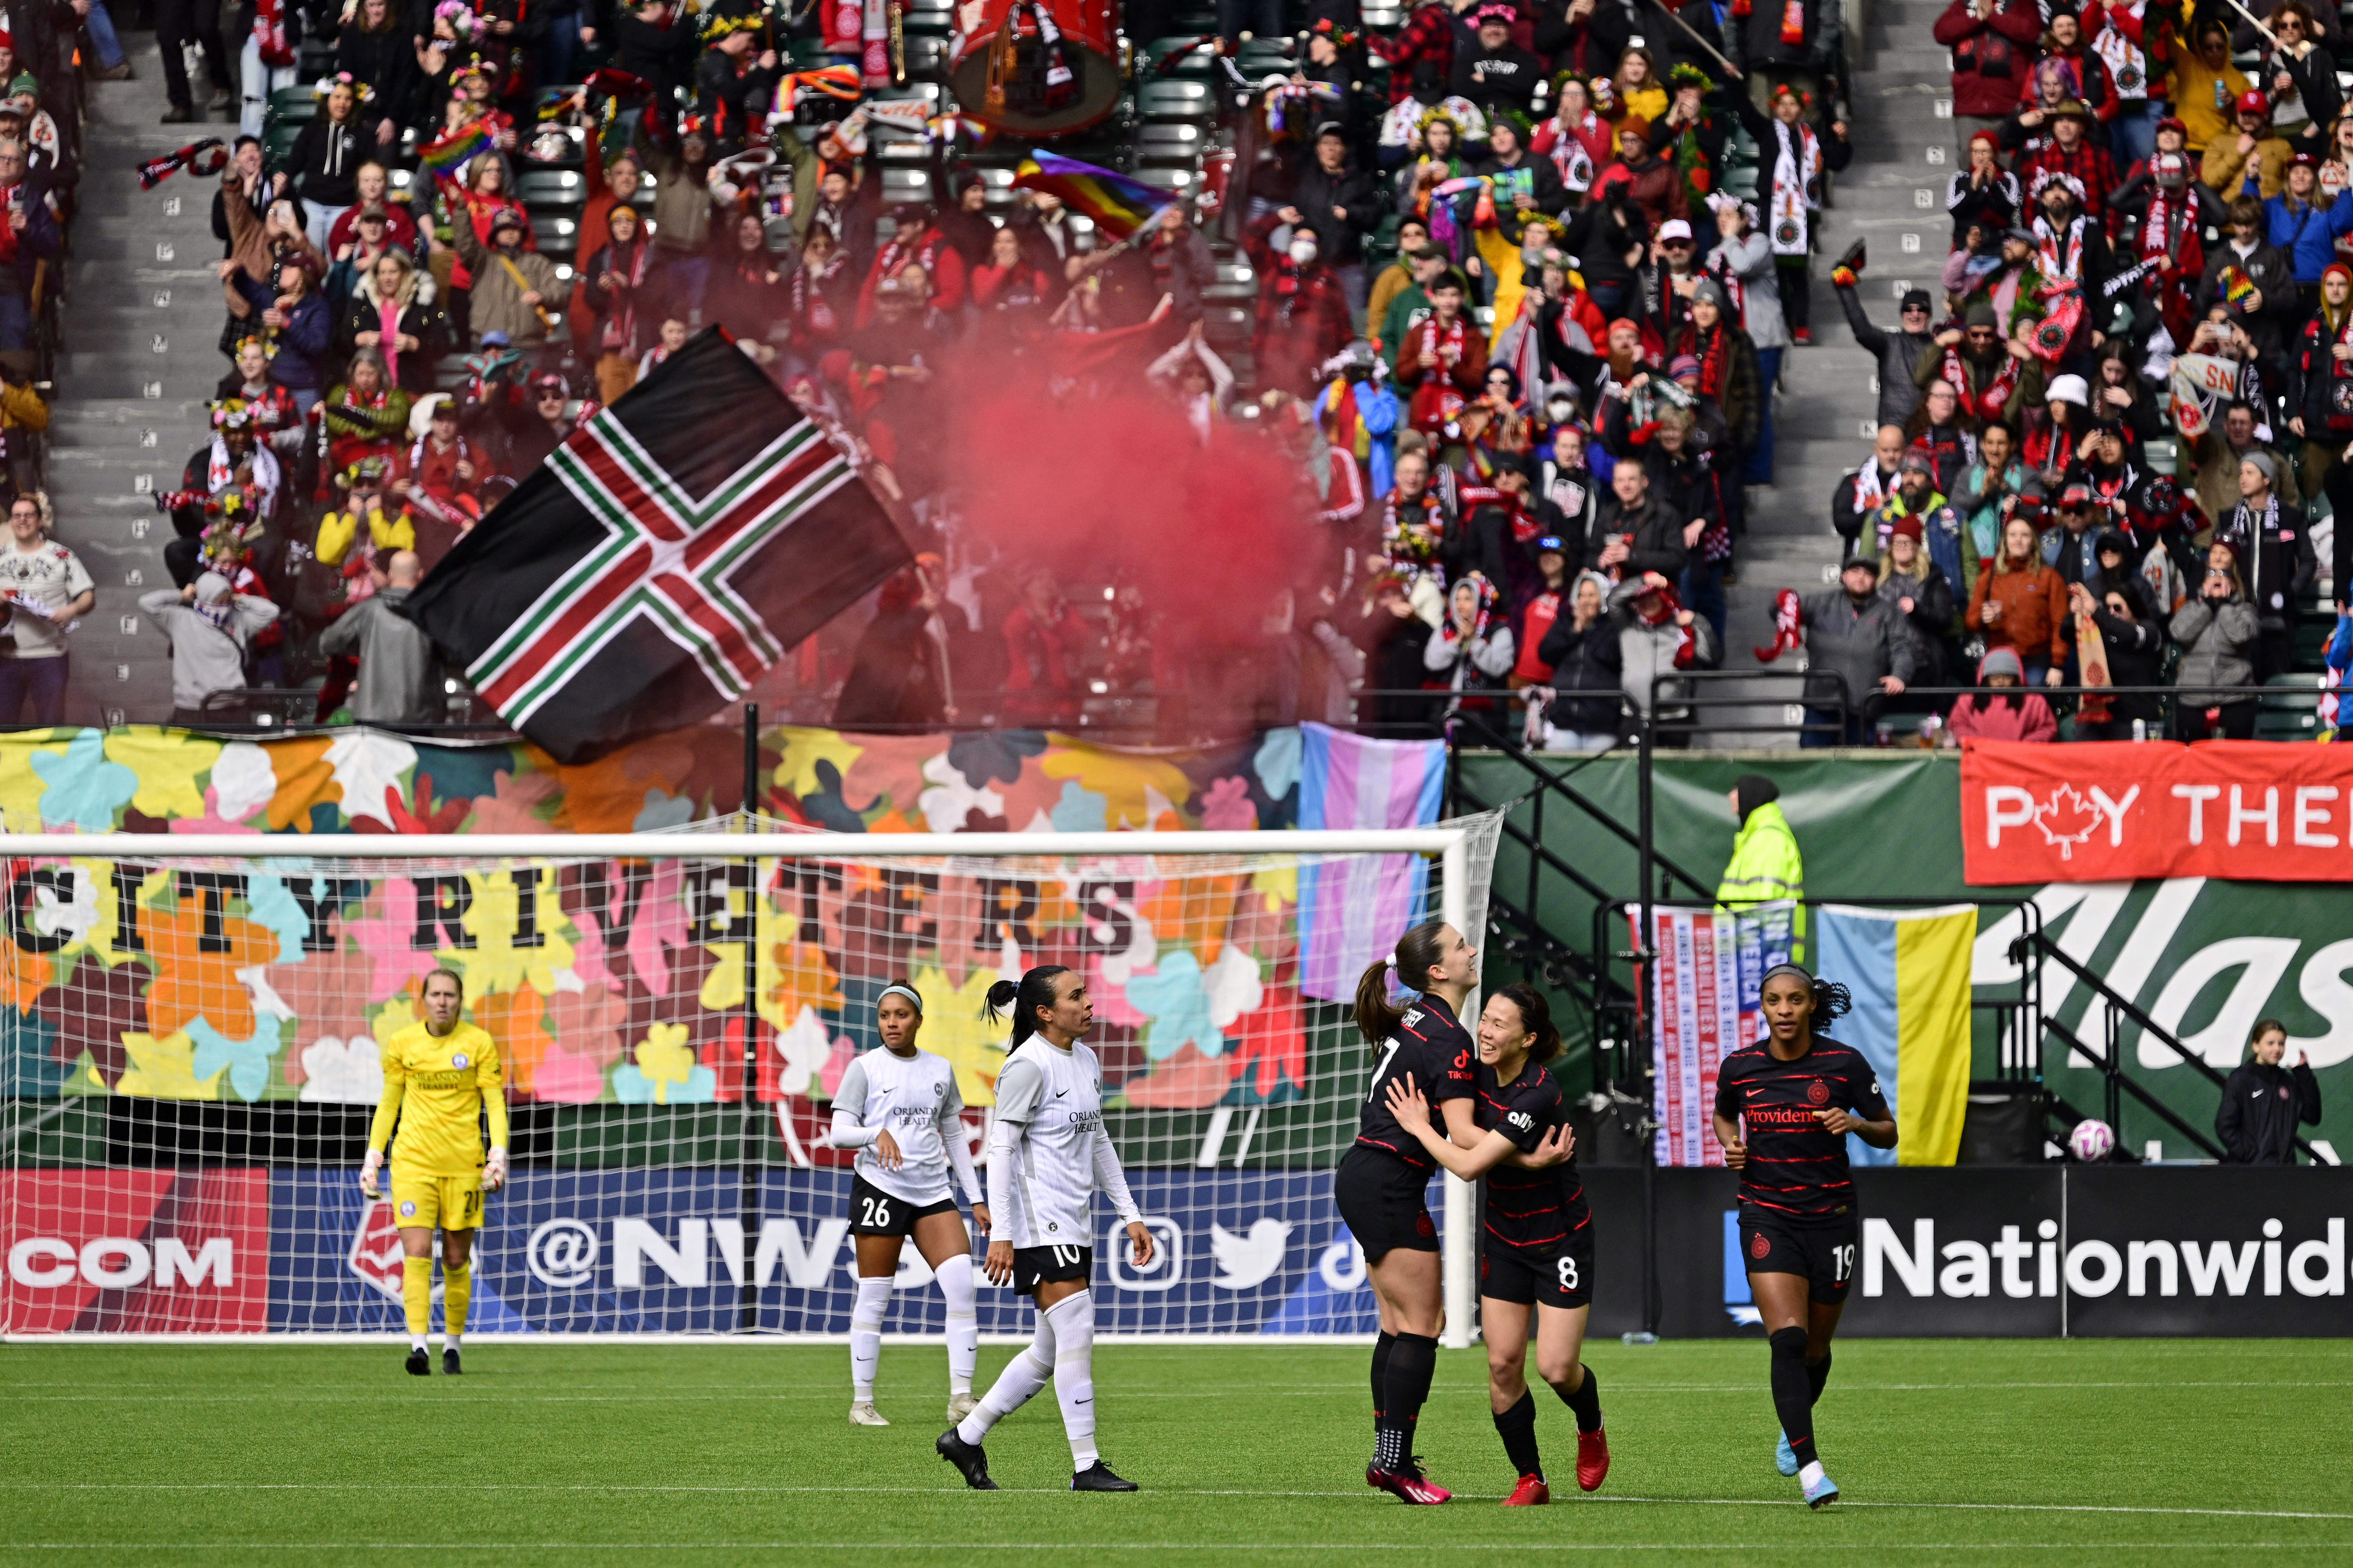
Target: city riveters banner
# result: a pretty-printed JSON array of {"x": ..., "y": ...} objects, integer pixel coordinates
[{"x": 2119, "y": 811}]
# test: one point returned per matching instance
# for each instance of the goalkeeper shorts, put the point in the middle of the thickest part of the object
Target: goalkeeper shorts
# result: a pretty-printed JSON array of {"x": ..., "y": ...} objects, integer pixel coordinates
[{"x": 445, "y": 1203}]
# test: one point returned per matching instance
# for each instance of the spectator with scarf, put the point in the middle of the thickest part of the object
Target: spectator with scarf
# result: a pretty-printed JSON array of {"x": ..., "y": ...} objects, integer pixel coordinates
[
  {"x": 623, "y": 294},
  {"x": 1792, "y": 156},
  {"x": 2165, "y": 215},
  {"x": 1657, "y": 639},
  {"x": 2276, "y": 557},
  {"x": 1473, "y": 649}
]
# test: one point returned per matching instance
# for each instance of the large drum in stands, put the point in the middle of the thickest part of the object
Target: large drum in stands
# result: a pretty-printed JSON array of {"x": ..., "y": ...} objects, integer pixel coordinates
[{"x": 1036, "y": 67}]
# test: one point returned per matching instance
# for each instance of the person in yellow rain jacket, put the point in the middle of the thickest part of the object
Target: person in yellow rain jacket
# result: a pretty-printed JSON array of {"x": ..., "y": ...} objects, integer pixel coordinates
[
  {"x": 1764, "y": 863},
  {"x": 440, "y": 1076}
]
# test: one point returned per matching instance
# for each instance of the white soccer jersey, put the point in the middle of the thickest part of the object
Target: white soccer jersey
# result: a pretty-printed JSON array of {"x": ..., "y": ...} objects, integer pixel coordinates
[
  {"x": 915, "y": 1099},
  {"x": 1055, "y": 1097}
]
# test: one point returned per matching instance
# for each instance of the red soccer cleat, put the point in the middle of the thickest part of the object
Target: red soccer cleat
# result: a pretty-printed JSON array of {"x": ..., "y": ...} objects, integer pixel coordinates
[
  {"x": 1529, "y": 1493},
  {"x": 1803, "y": 334},
  {"x": 1410, "y": 1486},
  {"x": 1592, "y": 1459}
]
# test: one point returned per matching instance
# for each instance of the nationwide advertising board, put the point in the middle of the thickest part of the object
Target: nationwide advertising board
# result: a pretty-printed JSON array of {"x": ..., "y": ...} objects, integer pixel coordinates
[{"x": 2007, "y": 1251}]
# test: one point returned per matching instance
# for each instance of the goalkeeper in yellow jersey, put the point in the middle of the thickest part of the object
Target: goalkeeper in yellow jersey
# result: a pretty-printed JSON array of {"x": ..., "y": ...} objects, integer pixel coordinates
[{"x": 439, "y": 1077}]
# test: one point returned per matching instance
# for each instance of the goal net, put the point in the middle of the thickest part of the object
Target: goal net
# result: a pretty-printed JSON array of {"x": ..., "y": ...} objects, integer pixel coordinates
[{"x": 192, "y": 1062}]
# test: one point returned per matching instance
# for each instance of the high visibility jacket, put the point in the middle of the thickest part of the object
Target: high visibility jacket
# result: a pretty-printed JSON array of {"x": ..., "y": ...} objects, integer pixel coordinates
[{"x": 1765, "y": 866}]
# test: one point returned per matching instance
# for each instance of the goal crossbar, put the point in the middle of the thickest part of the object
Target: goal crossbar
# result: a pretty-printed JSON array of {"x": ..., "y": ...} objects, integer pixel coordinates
[{"x": 728, "y": 846}]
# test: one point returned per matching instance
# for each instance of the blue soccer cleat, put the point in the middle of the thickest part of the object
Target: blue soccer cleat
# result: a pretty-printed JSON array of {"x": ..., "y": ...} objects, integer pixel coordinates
[
  {"x": 1820, "y": 1490},
  {"x": 1785, "y": 1458}
]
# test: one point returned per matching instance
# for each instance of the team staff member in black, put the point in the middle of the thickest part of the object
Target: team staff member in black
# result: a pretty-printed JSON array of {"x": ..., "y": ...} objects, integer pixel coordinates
[
  {"x": 2265, "y": 1100},
  {"x": 1380, "y": 1183},
  {"x": 1538, "y": 1251},
  {"x": 1783, "y": 1108}
]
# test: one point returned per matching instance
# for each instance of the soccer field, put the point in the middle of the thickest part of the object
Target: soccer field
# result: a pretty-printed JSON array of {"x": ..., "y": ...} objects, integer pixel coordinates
[{"x": 2180, "y": 1452}]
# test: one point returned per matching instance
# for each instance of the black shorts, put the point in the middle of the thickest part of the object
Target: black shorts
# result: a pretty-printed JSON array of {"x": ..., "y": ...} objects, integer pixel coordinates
[
  {"x": 1823, "y": 1253},
  {"x": 1380, "y": 1201},
  {"x": 1036, "y": 1266},
  {"x": 1557, "y": 1275},
  {"x": 873, "y": 1211}
]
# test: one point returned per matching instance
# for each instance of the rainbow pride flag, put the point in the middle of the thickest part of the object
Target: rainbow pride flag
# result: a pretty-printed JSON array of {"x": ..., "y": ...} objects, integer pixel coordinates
[
  {"x": 1118, "y": 205},
  {"x": 447, "y": 152}
]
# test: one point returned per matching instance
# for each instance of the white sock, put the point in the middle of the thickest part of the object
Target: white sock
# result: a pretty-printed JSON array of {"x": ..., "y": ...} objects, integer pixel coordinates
[
  {"x": 449, "y": 1342},
  {"x": 866, "y": 1335},
  {"x": 1023, "y": 1376},
  {"x": 1810, "y": 1475},
  {"x": 417, "y": 1342},
  {"x": 1074, "y": 1373},
  {"x": 964, "y": 1322}
]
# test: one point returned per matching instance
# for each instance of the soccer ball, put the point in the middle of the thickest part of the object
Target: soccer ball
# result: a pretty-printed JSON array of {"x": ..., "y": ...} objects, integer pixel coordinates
[{"x": 2091, "y": 1142}]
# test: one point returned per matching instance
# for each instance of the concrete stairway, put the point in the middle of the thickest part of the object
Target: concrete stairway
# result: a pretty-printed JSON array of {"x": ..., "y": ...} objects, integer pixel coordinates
[
  {"x": 140, "y": 358},
  {"x": 1893, "y": 195}
]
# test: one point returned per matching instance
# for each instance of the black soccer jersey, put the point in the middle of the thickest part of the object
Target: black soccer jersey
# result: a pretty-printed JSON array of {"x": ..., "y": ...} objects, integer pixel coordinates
[
  {"x": 1794, "y": 1166},
  {"x": 1439, "y": 1055},
  {"x": 1535, "y": 1210}
]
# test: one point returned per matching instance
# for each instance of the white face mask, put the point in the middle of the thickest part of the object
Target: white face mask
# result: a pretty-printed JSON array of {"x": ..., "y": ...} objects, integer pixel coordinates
[{"x": 1302, "y": 251}]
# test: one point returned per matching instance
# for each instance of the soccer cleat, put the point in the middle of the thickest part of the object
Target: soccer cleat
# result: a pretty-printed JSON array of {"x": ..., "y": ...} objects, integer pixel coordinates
[
  {"x": 1785, "y": 1458},
  {"x": 966, "y": 1457},
  {"x": 1822, "y": 1489},
  {"x": 1407, "y": 1485},
  {"x": 1529, "y": 1493},
  {"x": 1803, "y": 335},
  {"x": 449, "y": 1367},
  {"x": 962, "y": 1404},
  {"x": 1592, "y": 1459},
  {"x": 863, "y": 1414},
  {"x": 1098, "y": 1478},
  {"x": 420, "y": 1365}
]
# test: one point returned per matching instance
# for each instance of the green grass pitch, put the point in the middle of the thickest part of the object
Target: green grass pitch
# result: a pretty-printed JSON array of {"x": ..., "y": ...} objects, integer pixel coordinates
[{"x": 2150, "y": 1452}]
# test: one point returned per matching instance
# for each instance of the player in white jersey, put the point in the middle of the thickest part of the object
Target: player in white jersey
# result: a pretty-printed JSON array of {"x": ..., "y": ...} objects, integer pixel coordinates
[
  {"x": 1047, "y": 1156},
  {"x": 899, "y": 1108}
]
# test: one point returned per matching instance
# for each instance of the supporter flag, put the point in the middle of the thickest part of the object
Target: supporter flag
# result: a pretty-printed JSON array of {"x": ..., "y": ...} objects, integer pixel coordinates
[
  {"x": 1908, "y": 972},
  {"x": 1351, "y": 910},
  {"x": 672, "y": 548},
  {"x": 1118, "y": 205}
]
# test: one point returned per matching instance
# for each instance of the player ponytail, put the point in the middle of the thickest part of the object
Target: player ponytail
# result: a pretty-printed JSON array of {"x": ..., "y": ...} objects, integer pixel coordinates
[
  {"x": 1417, "y": 951},
  {"x": 1035, "y": 990},
  {"x": 1535, "y": 1019}
]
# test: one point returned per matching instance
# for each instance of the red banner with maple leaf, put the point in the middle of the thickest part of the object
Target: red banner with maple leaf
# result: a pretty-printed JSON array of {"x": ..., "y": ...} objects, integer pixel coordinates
[{"x": 2100, "y": 812}]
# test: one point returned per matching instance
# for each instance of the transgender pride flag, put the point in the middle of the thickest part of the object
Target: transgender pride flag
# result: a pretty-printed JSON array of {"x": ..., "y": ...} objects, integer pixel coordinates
[{"x": 1352, "y": 910}]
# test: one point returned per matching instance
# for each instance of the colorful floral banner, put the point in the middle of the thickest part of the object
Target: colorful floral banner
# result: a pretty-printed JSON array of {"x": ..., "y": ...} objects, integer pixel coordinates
[{"x": 607, "y": 983}]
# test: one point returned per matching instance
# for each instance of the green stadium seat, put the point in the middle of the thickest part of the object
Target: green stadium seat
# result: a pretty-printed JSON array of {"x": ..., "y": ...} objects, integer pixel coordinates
[
  {"x": 1177, "y": 98},
  {"x": 2288, "y": 709},
  {"x": 558, "y": 188}
]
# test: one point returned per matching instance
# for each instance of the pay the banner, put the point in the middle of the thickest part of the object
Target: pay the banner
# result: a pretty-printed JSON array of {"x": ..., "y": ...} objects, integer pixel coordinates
[{"x": 2102, "y": 812}]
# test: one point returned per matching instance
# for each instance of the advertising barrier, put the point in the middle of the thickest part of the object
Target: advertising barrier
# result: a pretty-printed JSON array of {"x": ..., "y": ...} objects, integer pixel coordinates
[
  {"x": 2021, "y": 1251},
  {"x": 2016, "y": 1251}
]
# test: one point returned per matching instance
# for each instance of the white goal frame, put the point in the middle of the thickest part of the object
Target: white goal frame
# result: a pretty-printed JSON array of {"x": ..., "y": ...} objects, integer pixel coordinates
[{"x": 1448, "y": 843}]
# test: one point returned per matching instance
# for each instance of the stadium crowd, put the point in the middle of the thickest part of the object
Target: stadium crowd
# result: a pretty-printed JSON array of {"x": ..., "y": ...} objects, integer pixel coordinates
[
  {"x": 2113, "y": 442},
  {"x": 471, "y": 228},
  {"x": 1510, "y": 285}
]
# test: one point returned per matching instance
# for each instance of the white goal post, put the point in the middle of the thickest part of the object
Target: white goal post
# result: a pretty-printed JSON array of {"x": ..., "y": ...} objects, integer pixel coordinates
[{"x": 188, "y": 1081}]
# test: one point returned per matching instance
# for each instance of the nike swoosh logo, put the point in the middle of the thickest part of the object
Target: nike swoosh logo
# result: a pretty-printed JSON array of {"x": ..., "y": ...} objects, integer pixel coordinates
[{"x": 1060, "y": 1092}]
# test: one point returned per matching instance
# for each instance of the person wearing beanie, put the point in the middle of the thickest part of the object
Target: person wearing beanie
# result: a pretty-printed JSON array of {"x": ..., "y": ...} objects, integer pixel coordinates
[
  {"x": 1915, "y": 583},
  {"x": 1765, "y": 865},
  {"x": 2275, "y": 556},
  {"x": 2003, "y": 710},
  {"x": 1898, "y": 352},
  {"x": 208, "y": 625},
  {"x": 1857, "y": 636}
]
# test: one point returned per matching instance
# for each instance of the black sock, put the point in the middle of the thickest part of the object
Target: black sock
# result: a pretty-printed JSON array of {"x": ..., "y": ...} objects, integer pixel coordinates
[
  {"x": 1517, "y": 1427},
  {"x": 1792, "y": 1397},
  {"x": 1585, "y": 1400},
  {"x": 1818, "y": 1375},
  {"x": 1412, "y": 1359},
  {"x": 1381, "y": 1376}
]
